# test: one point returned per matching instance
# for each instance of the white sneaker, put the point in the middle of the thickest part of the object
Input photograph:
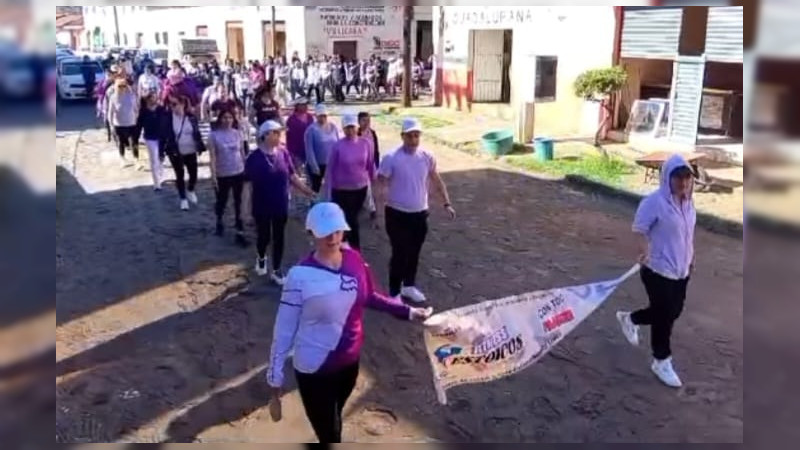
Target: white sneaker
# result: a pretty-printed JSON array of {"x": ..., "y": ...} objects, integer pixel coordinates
[
  {"x": 123, "y": 163},
  {"x": 277, "y": 277},
  {"x": 184, "y": 205},
  {"x": 664, "y": 371},
  {"x": 192, "y": 197},
  {"x": 629, "y": 329},
  {"x": 413, "y": 294},
  {"x": 261, "y": 266}
]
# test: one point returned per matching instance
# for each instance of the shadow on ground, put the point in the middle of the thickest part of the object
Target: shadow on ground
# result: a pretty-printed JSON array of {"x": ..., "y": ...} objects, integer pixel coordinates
[{"x": 183, "y": 364}]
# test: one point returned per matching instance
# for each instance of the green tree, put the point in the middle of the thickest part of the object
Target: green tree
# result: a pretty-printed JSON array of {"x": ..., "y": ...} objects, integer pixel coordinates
[{"x": 598, "y": 85}]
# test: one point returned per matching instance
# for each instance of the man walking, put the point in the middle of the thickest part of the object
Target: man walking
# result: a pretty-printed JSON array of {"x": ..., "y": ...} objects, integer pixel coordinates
[{"x": 403, "y": 179}]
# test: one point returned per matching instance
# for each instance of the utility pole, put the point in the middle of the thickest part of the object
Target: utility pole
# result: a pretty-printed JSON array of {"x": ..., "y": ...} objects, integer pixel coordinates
[
  {"x": 116, "y": 27},
  {"x": 408, "y": 17},
  {"x": 274, "y": 32}
]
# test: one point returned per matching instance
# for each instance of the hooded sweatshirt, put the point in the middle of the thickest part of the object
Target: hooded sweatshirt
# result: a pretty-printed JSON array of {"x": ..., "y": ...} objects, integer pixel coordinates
[{"x": 668, "y": 225}]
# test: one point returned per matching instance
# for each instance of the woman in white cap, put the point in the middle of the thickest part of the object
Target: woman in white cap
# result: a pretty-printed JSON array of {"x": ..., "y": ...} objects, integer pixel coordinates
[
  {"x": 270, "y": 171},
  {"x": 351, "y": 169},
  {"x": 319, "y": 140},
  {"x": 320, "y": 319},
  {"x": 406, "y": 173}
]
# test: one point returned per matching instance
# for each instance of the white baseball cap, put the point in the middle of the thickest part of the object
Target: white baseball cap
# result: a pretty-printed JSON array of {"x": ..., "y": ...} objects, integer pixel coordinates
[
  {"x": 268, "y": 127},
  {"x": 324, "y": 219},
  {"x": 300, "y": 101},
  {"x": 349, "y": 120},
  {"x": 411, "y": 124},
  {"x": 320, "y": 109}
]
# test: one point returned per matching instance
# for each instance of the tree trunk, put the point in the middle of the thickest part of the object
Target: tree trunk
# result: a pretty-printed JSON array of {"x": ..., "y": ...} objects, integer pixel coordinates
[{"x": 408, "y": 17}]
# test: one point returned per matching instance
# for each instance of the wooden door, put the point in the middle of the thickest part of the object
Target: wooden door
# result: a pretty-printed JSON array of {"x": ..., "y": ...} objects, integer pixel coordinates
[{"x": 347, "y": 49}]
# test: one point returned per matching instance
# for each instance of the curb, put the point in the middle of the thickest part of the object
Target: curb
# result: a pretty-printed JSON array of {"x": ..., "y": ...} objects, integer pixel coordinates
[{"x": 708, "y": 221}]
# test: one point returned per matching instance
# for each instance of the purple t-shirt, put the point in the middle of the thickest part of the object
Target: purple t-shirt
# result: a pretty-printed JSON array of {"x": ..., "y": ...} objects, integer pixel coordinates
[
  {"x": 350, "y": 164},
  {"x": 269, "y": 175},
  {"x": 321, "y": 314},
  {"x": 296, "y": 127},
  {"x": 408, "y": 179}
]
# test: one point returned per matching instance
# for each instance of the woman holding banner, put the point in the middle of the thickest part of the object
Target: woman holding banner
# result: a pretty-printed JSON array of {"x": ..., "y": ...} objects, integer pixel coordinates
[
  {"x": 320, "y": 319},
  {"x": 664, "y": 225}
]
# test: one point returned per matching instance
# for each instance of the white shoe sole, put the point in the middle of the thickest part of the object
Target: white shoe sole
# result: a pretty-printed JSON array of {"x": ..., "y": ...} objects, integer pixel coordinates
[
  {"x": 665, "y": 382},
  {"x": 623, "y": 325}
]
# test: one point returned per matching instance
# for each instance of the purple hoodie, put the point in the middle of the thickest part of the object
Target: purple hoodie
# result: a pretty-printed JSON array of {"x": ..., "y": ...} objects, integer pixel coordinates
[
  {"x": 295, "y": 135},
  {"x": 669, "y": 226}
]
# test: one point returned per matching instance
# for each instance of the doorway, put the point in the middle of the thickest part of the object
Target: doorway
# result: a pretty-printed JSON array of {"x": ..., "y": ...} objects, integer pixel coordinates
[
  {"x": 235, "y": 38},
  {"x": 280, "y": 38},
  {"x": 348, "y": 50},
  {"x": 424, "y": 40},
  {"x": 491, "y": 63}
]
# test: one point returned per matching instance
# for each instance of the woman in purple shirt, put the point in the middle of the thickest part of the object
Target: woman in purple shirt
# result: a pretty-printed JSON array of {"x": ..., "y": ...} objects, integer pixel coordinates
[
  {"x": 350, "y": 171},
  {"x": 270, "y": 171},
  {"x": 296, "y": 126},
  {"x": 664, "y": 226},
  {"x": 227, "y": 169},
  {"x": 320, "y": 319}
]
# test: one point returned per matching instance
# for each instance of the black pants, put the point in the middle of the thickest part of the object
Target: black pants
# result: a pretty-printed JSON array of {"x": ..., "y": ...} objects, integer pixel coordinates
[
  {"x": 318, "y": 96},
  {"x": 324, "y": 396},
  {"x": 351, "y": 203},
  {"x": 356, "y": 83},
  {"x": 316, "y": 180},
  {"x": 296, "y": 88},
  {"x": 179, "y": 164},
  {"x": 271, "y": 229},
  {"x": 407, "y": 233},
  {"x": 225, "y": 185},
  {"x": 127, "y": 137},
  {"x": 338, "y": 91},
  {"x": 666, "y": 304}
]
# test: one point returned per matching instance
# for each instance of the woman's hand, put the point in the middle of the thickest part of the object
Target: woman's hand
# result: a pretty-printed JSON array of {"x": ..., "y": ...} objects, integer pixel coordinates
[
  {"x": 420, "y": 314},
  {"x": 275, "y": 406}
]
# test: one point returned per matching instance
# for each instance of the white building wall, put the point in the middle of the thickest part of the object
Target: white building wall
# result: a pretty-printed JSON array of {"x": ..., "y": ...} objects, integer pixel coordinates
[
  {"x": 384, "y": 38},
  {"x": 580, "y": 37}
]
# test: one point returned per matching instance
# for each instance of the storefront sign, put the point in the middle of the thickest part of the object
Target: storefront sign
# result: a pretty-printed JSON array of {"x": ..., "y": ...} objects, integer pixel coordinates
[
  {"x": 375, "y": 29},
  {"x": 460, "y": 16}
]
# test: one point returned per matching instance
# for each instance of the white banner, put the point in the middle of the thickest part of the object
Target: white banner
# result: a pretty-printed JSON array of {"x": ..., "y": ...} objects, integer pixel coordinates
[{"x": 496, "y": 338}]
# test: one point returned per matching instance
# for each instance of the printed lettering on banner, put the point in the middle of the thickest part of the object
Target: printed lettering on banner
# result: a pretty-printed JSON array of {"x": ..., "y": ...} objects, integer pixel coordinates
[{"x": 497, "y": 338}]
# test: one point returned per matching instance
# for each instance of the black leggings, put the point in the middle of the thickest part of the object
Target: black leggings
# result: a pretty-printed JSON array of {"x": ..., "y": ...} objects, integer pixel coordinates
[
  {"x": 271, "y": 229},
  {"x": 127, "y": 137},
  {"x": 351, "y": 203},
  {"x": 666, "y": 304},
  {"x": 324, "y": 396},
  {"x": 178, "y": 162},
  {"x": 316, "y": 180},
  {"x": 407, "y": 233},
  {"x": 225, "y": 185}
]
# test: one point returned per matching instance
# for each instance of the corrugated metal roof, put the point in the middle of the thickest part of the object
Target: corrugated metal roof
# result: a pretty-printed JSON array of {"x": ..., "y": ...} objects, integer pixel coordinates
[
  {"x": 651, "y": 32},
  {"x": 725, "y": 34}
]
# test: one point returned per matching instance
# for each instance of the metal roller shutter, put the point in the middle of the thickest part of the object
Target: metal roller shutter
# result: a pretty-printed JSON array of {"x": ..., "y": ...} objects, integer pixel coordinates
[
  {"x": 651, "y": 32},
  {"x": 725, "y": 34}
]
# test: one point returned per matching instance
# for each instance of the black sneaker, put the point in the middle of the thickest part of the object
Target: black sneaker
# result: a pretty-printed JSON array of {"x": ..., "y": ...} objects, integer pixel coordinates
[{"x": 220, "y": 229}]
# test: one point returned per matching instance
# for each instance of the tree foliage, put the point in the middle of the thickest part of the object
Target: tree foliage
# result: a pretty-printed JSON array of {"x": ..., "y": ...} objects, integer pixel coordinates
[{"x": 598, "y": 84}]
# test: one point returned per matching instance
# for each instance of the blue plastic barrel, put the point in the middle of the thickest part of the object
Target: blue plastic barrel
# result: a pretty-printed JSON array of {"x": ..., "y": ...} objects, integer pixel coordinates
[{"x": 543, "y": 146}]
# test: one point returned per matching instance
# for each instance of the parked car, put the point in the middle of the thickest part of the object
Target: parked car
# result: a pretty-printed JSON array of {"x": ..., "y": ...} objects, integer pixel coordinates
[
  {"x": 70, "y": 77},
  {"x": 17, "y": 78}
]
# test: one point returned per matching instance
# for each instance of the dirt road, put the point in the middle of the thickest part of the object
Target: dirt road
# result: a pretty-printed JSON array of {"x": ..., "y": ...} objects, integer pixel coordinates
[{"x": 163, "y": 332}]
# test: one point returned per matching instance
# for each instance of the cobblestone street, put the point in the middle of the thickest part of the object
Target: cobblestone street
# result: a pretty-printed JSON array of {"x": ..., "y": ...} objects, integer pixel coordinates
[{"x": 163, "y": 330}]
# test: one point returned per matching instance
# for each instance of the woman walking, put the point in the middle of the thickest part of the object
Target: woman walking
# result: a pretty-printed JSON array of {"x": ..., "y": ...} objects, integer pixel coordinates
[
  {"x": 296, "y": 125},
  {"x": 227, "y": 170},
  {"x": 151, "y": 116},
  {"x": 123, "y": 112},
  {"x": 366, "y": 132},
  {"x": 664, "y": 226},
  {"x": 350, "y": 171},
  {"x": 182, "y": 142},
  {"x": 269, "y": 170},
  {"x": 320, "y": 319},
  {"x": 319, "y": 140}
]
